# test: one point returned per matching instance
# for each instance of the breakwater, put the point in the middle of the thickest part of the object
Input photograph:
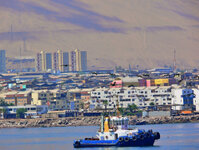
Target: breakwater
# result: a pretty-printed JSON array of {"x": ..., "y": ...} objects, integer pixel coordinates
[{"x": 89, "y": 121}]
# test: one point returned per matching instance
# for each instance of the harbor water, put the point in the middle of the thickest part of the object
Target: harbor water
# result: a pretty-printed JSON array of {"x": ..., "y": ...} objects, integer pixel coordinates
[{"x": 183, "y": 136}]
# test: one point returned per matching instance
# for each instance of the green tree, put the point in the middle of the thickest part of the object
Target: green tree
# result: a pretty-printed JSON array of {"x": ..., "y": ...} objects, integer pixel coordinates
[
  {"x": 151, "y": 104},
  {"x": 21, "y": 112},
  {"x": 105, "y": 103},
  {"x": 3, "y": 103},
  {"x": 3, "y": 112},
  {"x": 132, "y": 108}
]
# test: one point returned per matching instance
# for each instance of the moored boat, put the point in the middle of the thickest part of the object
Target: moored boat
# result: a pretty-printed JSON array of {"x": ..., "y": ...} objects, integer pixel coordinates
[{"x": 114, "y": 131}]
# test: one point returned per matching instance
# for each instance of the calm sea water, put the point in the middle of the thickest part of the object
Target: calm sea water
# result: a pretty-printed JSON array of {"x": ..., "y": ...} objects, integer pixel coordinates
[{"x": 173, "y": 136}]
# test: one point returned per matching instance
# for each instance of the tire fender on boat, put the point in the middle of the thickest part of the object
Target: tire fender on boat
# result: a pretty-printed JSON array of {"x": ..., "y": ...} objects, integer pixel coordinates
[
  {"x": 126, "y": 139},
  {"x": 134, "y": 138},
  {"x": 156, "y": 135},
  {"x": 142, "y": 137},
  {"x": 147, "y": 134},
  {"x": 121, "y": 139},
  {"x": 77, "y": 144},
  {"x": 150, "y": 131}
]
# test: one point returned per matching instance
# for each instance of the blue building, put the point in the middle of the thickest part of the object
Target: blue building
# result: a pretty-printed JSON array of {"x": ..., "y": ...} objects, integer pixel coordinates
[
  {"x": 48, "y": 61},
  {"x": 2, "y": 61},
  {"x": 84, "y": 60},
  {"x": 66, "y": 61}
]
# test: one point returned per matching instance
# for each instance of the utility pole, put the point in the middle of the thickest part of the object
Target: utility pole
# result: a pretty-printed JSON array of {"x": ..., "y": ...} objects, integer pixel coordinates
[
  {"x": 24, "y": 45},
  {"x": 11, "y": 33},
  {"x": 20, "y": 60}
]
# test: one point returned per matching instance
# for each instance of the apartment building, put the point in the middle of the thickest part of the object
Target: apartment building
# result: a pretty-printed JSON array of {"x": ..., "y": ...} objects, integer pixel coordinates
[
  {"x": 18, "y": 98},
  {"x": 78, "y": 60},
  {"x": 60, "y": 59},
  {"x": 55, "y": 99},
  {"x": 140, "y": 96},
  {"x": 52, "y": 61},
  {"x": 2, "y": 61}
]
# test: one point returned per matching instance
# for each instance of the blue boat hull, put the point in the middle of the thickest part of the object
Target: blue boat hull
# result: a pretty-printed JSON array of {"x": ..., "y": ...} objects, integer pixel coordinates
[{"x": 130, "y": 142}]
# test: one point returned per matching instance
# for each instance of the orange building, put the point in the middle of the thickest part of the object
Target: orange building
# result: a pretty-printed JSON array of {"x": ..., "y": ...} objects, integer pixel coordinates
[{"x": 18, "y": 98}]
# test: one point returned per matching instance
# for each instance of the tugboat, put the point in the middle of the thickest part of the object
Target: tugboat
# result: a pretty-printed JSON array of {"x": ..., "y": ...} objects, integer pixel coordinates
[{"x": 114, "y": 131}]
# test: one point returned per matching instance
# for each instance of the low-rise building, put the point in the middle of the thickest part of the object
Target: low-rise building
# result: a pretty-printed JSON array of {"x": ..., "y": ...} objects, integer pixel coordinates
[
  {"x": 55, "y": 99},
  {"x": 31, "y": 110},
  {"x": 18, "y": 98},
  {"x": 183, "y": 98}
]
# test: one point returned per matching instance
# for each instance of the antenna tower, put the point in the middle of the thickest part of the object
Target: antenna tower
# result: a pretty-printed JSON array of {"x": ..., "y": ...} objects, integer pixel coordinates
[{"x": 174, "y": 60}]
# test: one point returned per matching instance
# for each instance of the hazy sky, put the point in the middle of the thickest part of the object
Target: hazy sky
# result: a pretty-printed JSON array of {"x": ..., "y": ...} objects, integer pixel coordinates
[{"x": 114, "y": 32}]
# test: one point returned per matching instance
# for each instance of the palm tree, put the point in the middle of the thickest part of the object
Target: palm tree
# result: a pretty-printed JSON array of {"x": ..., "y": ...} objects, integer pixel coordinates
[{"x": 105, "y": 103}]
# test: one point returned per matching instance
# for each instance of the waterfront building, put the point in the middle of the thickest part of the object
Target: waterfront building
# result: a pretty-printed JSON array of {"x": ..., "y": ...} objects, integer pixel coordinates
[
  {"x": 2, "y": 61},
  {"x": 31, "y": 110},
  {"x": 183, "y": 99},
  {"x": 78, "y": 60},
  {"x": 140, "y": 96},
  {"x": 196, "y": 98}
]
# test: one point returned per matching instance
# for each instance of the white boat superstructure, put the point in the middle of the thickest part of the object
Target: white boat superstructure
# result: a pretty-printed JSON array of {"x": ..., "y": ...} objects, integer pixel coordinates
[{"x": 114, "y": 127}]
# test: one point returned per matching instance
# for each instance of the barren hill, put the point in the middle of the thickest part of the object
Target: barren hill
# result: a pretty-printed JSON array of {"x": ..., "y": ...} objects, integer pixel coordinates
[{"x": 114, "y": 32}]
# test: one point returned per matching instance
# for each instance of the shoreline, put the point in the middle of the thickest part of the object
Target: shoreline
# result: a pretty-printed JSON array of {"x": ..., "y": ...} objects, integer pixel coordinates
[{"x": 90, "y": 121}]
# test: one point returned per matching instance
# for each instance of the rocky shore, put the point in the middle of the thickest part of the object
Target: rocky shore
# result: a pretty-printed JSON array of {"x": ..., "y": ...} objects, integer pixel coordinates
[{"x": 89, "y": 121}]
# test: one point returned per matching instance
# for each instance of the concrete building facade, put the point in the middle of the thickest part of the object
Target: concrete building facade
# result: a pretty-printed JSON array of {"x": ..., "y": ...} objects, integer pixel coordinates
[
  {"x": 60, "y": 59},
  {"x": 55, "y": 99},
  {"x": 78, "y": 60},
  {"x": 18, "y": 98},
  {"x": 2, "y": 61},
  {"x": 52, "y": 61},
  {"x": 48, "y": 61},
  {"x": 142, "y": 97},
  {"x": 183, "y": 98},
  {"x": 41, "y": 62}
]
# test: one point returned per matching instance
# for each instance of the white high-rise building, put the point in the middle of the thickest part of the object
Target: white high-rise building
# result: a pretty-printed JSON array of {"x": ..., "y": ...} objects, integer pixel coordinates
[{"x": 78, "y": 60}]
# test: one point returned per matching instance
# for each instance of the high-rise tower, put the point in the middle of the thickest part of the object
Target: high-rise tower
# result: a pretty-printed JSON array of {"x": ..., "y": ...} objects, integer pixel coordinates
[
  {"x": 83, "y": 60},
  {"x": 78, "y": 60},
  {"x": 41, "y": 62},
  {"x": 2, "y": 61},
  {"x": 48, "y": 61},
  {"x": 59, "y": 60}
]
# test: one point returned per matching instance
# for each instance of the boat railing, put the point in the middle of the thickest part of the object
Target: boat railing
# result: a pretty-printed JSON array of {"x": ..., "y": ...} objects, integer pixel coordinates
[{"x": 92, "y": 139}]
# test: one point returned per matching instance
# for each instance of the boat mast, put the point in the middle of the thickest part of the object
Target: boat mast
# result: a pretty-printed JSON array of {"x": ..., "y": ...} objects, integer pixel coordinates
[{"x": 102, "y": 123}]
